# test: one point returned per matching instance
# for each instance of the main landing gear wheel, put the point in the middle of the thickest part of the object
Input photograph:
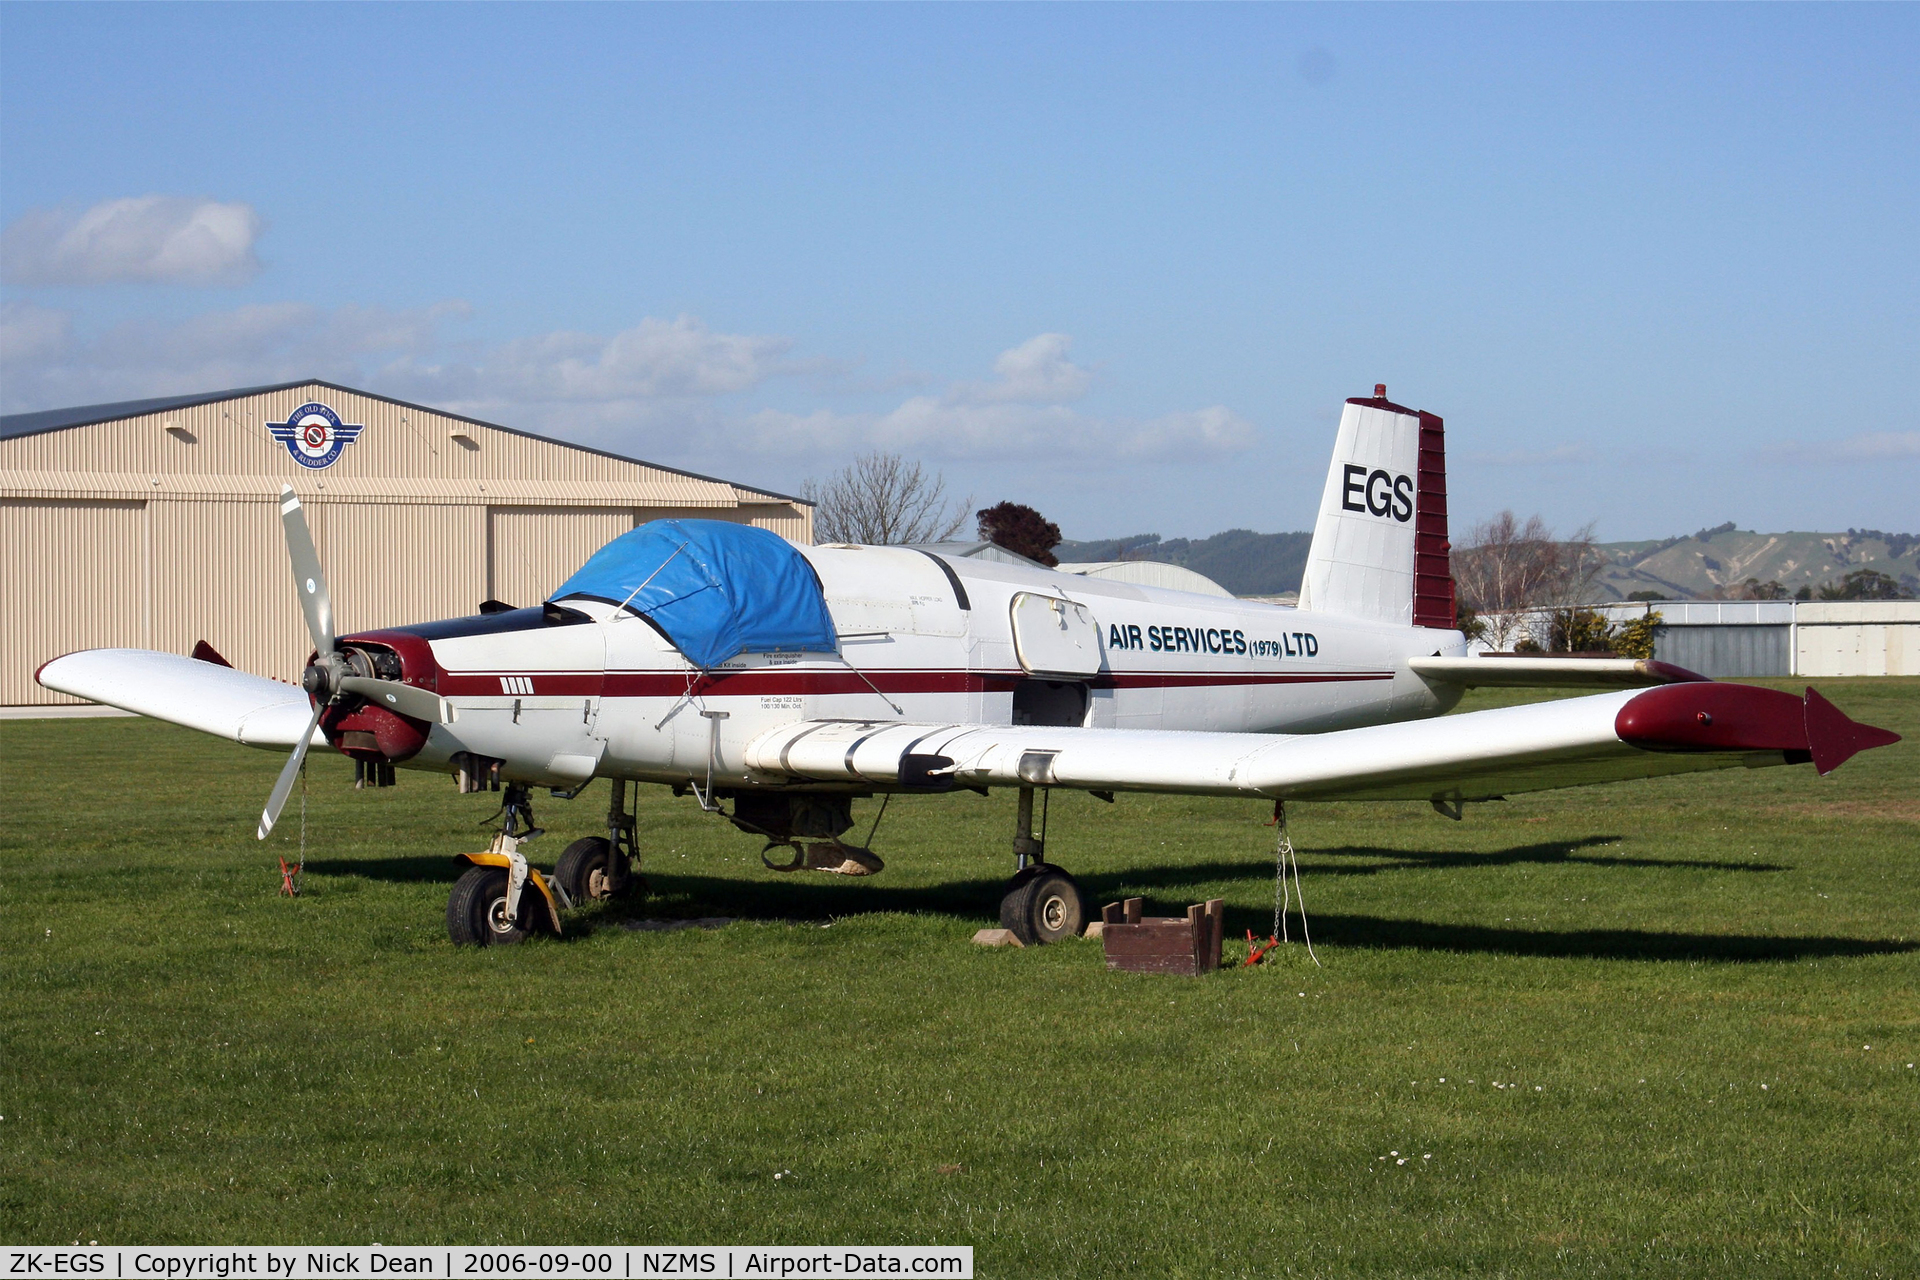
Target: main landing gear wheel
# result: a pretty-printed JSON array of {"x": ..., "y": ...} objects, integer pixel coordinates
[
  {"x": 477, "y": 910},
  {"x": 1043, "y": 905},
  {"x": 585, "y": 871}
]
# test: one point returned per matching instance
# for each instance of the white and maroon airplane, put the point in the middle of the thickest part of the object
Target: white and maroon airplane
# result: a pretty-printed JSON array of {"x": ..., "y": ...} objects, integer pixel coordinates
[{"x": 777, "y": 683}]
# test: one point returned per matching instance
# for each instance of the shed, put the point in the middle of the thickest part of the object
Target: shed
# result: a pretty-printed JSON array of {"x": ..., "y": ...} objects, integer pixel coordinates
[{"x": 153, "y": 523}]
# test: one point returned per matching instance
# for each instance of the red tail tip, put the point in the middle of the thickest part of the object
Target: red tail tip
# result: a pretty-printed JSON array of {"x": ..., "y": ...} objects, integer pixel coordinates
[{"x": 1834, "y": 739}]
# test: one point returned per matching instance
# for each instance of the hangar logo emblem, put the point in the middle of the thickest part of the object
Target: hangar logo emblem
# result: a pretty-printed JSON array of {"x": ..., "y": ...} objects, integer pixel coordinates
[{"x": 314, "y": 435}]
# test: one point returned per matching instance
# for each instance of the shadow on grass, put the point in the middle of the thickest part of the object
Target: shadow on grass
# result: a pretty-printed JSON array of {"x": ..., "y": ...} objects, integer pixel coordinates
[
  {"x": 1546, "y": 853},
  {"x": 444, "y": 868},
  {"x": 978, "y": 901},
  {"x": 815, "y": 897},
  {"x": 425, "y": 868},
  {"x": 1595, "y": 944}
]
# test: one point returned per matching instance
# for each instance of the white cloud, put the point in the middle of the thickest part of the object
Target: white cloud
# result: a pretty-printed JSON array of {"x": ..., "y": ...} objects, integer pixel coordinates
[
  {"x": 658, "y": 389},
  {"x": 931, "y": 428},
  {"x": 1864, "y": 447},
  {"x": 154, "y": 239},
  {"x": 655, "y": 360},
  {"x": 1022, "y": 414},
  {"x": 46, "y": 364},
  {"x": 1037, "y": 371}
]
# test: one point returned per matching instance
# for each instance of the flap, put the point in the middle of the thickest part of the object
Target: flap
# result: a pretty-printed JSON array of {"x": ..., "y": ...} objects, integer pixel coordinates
[{"x": 1547, "y": 672}]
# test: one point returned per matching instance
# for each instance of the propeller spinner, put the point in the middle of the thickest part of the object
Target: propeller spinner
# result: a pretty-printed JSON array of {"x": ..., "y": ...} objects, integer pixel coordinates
[{"x": 329, "y": 678}]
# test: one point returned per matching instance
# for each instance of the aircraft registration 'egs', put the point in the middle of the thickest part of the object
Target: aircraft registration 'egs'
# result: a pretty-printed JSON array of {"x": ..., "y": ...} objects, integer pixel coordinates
[{"x": 777, "y": 683}]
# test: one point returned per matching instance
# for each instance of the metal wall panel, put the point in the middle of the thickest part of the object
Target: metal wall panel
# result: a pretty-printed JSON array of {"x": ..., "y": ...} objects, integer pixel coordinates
[
  {"x": 1859, "y": 649},
  {"x": 76, "y": 578},
  {"x": 389, "y": 564},
  {"x": 532, "y": 550},
  {"x": 220, "y": 574},
  {"x": 1728, "y": 649},
  {"x": 795, "y": 524}
]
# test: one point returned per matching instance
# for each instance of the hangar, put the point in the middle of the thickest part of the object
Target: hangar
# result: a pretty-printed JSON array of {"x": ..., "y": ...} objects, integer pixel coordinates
[{"x": 154, "y": 524}]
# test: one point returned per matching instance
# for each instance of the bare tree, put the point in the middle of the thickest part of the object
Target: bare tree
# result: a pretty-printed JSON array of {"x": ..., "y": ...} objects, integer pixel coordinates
[
  {"x": 884, "y": 500},
  {"x": 1505, "y": 568}
]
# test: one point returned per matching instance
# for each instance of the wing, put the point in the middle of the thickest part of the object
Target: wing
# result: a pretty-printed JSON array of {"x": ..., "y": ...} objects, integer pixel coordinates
[
  {"x": 251, "y": 710},
  {"x": 1550, "y": 673},
  {"x": 1604, "y": 738}
]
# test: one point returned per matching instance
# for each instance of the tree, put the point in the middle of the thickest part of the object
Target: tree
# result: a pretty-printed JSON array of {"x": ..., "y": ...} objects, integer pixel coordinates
[
  {"x": 884, "y": 500},
  {"x": 1021, "y": 530},
  {"x": 1754, "y": 589},
  {"x": 1505, "y": 568},
  {"x": 1864, "y": 584}
]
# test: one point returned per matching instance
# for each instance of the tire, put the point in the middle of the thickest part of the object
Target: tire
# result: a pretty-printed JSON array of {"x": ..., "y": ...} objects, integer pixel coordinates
[
  {"x": 479, "y": 900},
  {"x": 1043, "y": 905},
  {"x": 582, "y": 870}
]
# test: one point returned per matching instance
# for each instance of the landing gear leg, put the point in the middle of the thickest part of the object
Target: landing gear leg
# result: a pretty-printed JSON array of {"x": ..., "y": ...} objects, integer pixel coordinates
[
  {"x": 621, "y": 854},
  {"x": 1042, "y": 903},
  {"x": 500, "y": 900},
  {"x": 594, "y": 868}
]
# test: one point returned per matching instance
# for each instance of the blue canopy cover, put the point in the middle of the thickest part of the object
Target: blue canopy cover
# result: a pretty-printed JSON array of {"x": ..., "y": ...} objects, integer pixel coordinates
[{"x": 715, "y": 589}]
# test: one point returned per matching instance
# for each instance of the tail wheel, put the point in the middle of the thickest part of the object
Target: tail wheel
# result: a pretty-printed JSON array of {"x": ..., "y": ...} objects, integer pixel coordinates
[
  {"x": 1044, "y": 906},
  {"x": 477, "y": 910},
  {"x": 585, "y": 870}
]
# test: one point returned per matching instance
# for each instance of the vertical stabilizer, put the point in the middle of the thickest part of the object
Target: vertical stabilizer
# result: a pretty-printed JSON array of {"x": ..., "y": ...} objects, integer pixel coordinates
[{"x": 1380, "y": 545}]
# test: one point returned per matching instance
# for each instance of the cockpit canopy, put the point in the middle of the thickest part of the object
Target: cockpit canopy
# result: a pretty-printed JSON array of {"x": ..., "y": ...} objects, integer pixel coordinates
[{"x": 713, "y": 588}]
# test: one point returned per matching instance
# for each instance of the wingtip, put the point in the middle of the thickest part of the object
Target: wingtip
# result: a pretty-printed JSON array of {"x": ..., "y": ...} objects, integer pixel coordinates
[{"x": 1835, "y": 738}]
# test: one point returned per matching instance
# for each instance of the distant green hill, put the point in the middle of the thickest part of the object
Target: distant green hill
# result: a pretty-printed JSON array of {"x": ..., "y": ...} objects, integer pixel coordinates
[
  {"x": 1694, "y": 566},
  {"x": 1244, "y": 562},
  {"x": 1720, "y": 559}
]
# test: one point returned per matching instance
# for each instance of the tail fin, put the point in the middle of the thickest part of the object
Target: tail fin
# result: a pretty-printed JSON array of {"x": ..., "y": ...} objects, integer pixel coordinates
[{"x": 1380, "y": 546}]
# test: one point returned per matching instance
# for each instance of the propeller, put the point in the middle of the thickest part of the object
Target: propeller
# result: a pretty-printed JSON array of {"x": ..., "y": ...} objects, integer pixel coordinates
[{"x": 329, "y": 678}]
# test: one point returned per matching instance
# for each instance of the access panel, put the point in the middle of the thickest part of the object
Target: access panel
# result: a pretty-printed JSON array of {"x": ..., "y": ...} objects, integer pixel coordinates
[{"x": 1055, "y": 636}]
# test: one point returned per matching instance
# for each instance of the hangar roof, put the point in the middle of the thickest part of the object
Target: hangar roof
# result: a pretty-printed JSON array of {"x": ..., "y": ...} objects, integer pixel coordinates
[{"x": 16, "y": 425}]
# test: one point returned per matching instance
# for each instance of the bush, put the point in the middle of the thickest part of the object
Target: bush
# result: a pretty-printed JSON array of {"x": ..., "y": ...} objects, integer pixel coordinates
[
  {"x": 1579, "y": 630},
  {"x": 1635, "y": 639}
]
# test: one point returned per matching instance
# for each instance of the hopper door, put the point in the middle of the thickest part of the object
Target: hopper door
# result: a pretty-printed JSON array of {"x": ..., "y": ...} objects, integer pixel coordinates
[{"x": 1054, "y": 636}]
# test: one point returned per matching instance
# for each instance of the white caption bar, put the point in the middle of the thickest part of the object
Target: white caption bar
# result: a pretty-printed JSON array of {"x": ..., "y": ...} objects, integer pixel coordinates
[{"x": 442, "y": 1262}]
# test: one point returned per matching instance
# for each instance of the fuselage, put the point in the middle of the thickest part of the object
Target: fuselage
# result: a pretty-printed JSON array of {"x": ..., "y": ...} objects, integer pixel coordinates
[{"x": 565, "y": 694}]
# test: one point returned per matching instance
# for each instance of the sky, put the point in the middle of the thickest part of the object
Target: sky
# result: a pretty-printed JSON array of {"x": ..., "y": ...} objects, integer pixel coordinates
[{"x": 1658, "y": 267}]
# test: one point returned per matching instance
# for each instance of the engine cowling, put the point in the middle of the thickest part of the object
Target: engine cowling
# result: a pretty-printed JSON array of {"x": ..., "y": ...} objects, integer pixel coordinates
[{"x": 359, "y": 728}]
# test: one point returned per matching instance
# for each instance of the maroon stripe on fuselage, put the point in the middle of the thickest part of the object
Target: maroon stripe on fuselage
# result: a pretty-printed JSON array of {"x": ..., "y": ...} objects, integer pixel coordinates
[
  {"x": 787, "y": 681},
  {"x": 544, "y": 684},
  {"x": 1221, "y": 679}
]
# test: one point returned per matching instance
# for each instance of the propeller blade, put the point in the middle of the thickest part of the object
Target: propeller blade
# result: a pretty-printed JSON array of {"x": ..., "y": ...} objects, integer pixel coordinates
[
  {"x": 309, "y": 581},
  {"x": 407, "y": 699},
  {"x": 284, "y": 787}
]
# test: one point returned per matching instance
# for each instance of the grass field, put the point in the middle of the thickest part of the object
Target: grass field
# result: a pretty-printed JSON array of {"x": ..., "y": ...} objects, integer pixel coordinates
[{"x": 1658, "y": 1028}]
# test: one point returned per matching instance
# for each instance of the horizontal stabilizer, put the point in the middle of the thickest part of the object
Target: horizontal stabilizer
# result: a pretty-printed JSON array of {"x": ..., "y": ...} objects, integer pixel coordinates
[
  {"x": 248, "y": 709},
  {"x": 1550, "y": 673}
]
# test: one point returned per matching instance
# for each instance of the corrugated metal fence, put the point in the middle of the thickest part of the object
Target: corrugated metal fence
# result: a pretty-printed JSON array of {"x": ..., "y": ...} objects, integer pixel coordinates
[{"x": 1735, "y": 638}]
